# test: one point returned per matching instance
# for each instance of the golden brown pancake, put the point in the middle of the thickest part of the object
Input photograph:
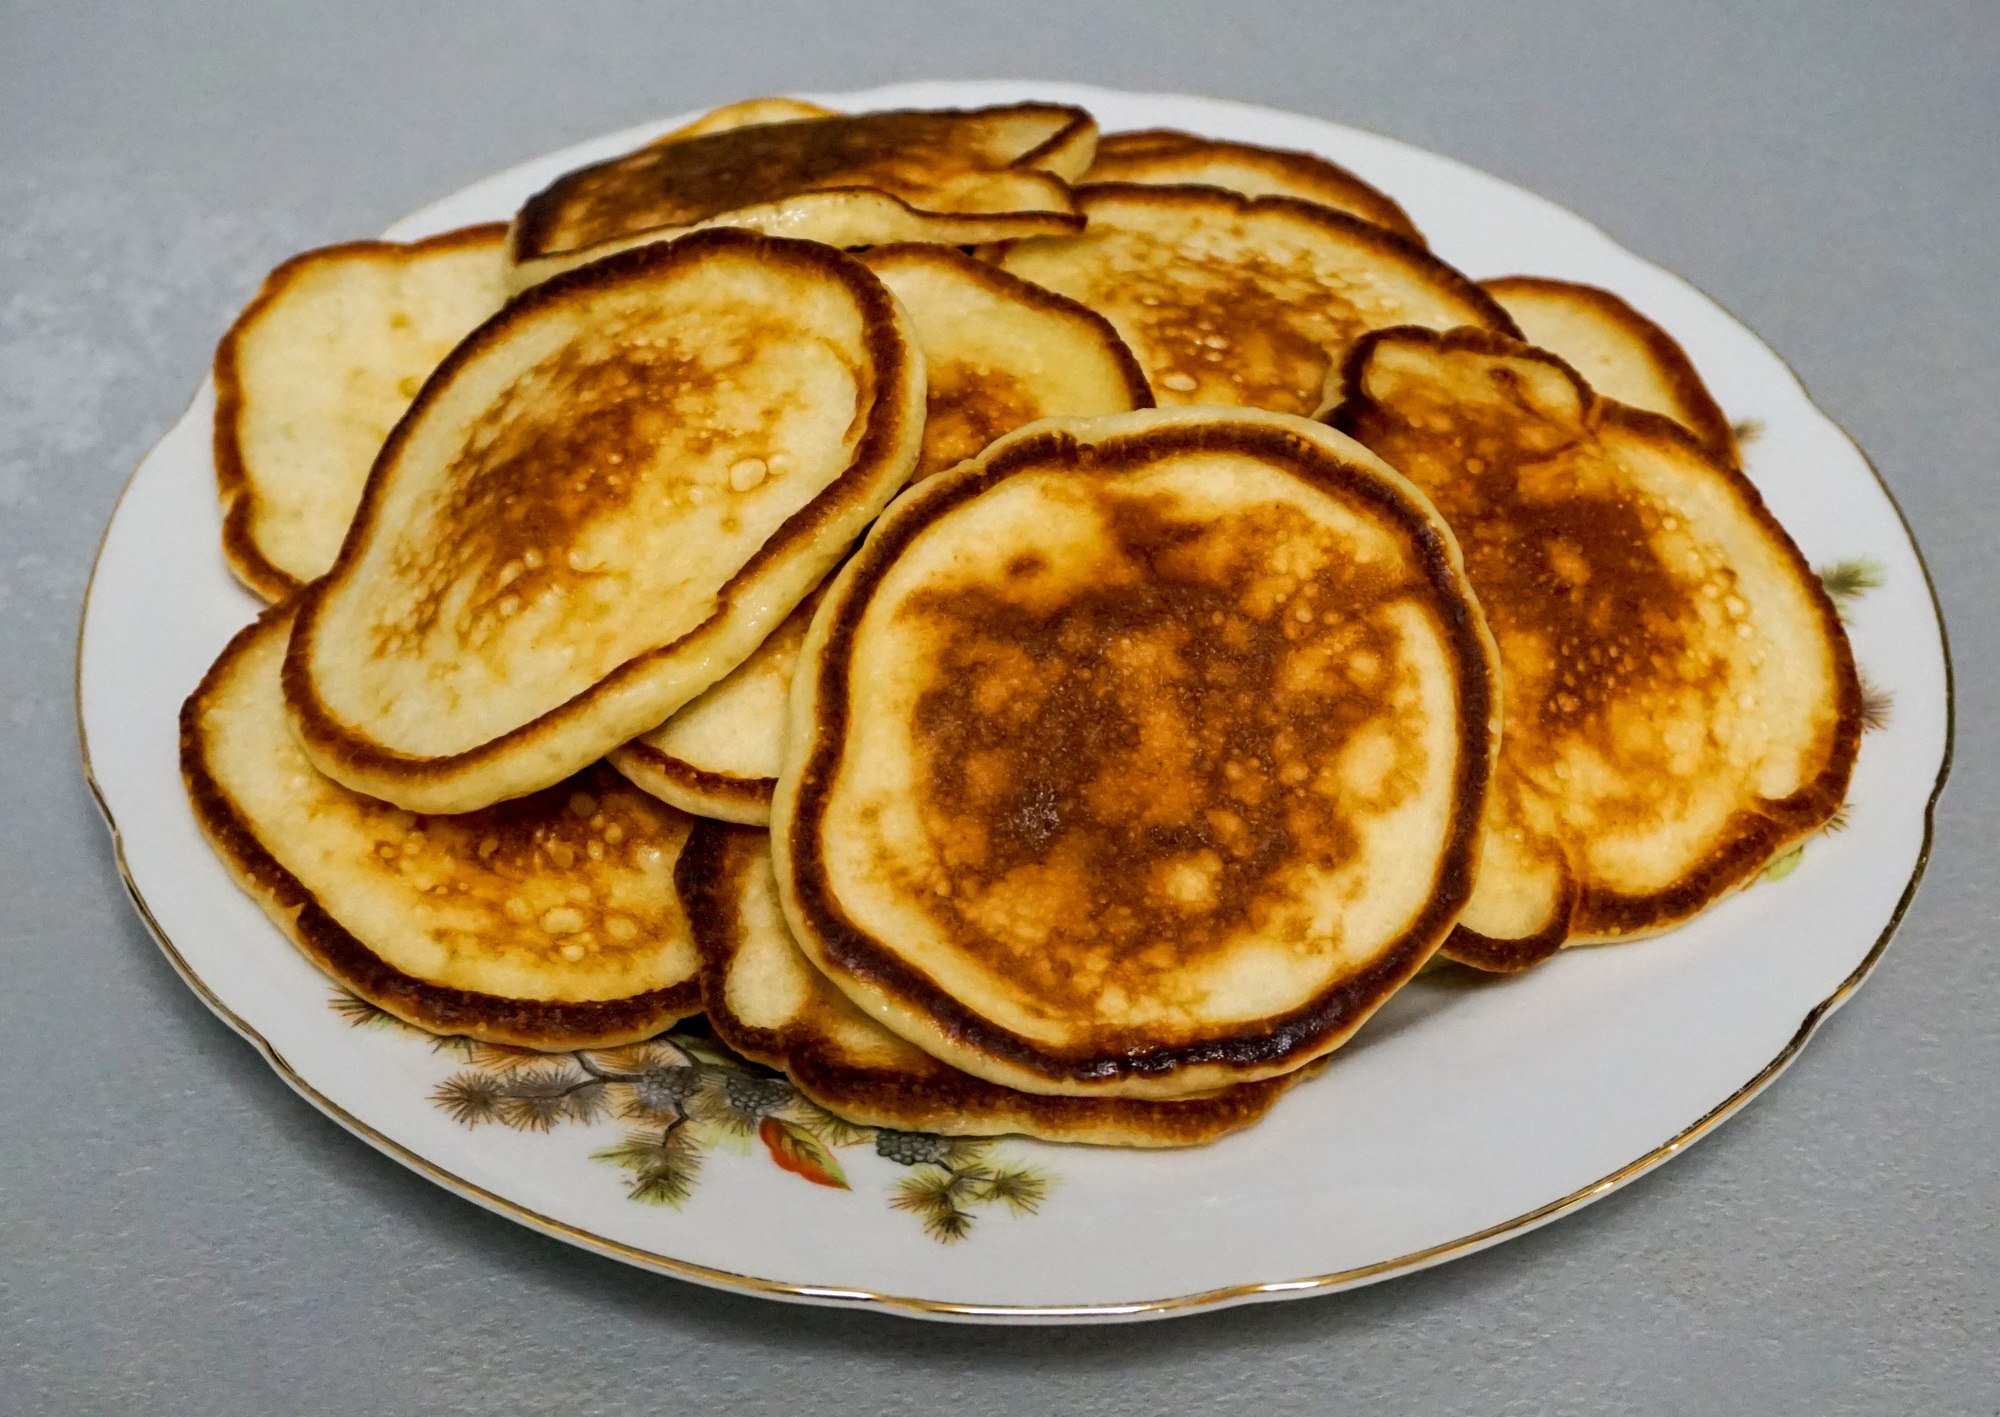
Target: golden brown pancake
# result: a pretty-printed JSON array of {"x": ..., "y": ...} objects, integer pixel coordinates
[
  {"x": 1237, "y": 300},
  {"x": 551, "y": 922},
  {"x": 999, "y": 352},
  {"x": 1681, "y": 704},
  {"x": 950, "y": 175},
  {"x": 602, "y": 503},
  {"x": 1622, "y": 354},
  {"x": 1139, "y": 756},
  {"x": 1163, "y": 155},
  {"x": 314, "y": 374},
  {"x": 766, "y": 1002},
  {"x": 746, "y": 113},
  {"x": 718, "y": 757}
]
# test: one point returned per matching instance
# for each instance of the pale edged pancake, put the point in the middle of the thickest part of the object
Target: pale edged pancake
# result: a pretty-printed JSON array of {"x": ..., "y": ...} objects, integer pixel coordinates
[
  {"x": 1236, "y": 300},
  {"x": 1140, "y": 755},
  {"x": 747, "y": 113},
  {"x": 766, "y": 1002},
  {"x": 314, "y": 374},
  {"x": 551, "y": 922},
  {"x": 718, "y": 757},
  {"x": 1166, "y": 155},
  {"x": 1681, "y": 702},
  {"x": 1620, "y": 353},
  {"x": 1000, "y": 352},
  {"x": 603, "y": 501},
  {"x": 951, "y": 175}
]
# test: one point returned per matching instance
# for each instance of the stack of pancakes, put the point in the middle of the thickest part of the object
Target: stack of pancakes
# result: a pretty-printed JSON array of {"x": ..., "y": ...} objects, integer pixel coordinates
[{"x": 1026, "y": 633}]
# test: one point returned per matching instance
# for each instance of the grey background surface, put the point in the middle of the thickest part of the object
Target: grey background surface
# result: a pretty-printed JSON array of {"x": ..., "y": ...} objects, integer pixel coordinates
[{"x": 179, "y": 1233}]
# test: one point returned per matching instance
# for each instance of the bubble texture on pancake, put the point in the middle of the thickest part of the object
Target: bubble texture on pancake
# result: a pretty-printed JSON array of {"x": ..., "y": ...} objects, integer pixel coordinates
[
  {"x": 550, "y": 922},
  {"x": 950, "y": 175},
  {"x": 602, "y": 503},
  {"x": 314, "y": 374},
  {"x": 1163, "y": 155},
  {"x": 1681, "y": 702},
  {"x": 766, "y": 1002},
  {"x": 1619, "y": 352},
  {"x": 1250, "y": 301},
  {"x": 1141, "y": 755}
]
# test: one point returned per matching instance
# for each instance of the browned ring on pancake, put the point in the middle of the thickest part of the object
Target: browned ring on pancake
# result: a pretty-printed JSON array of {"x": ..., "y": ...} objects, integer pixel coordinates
[
  {"x": 1146, "y": 879},
  {"x": 859, "y": 1070}
]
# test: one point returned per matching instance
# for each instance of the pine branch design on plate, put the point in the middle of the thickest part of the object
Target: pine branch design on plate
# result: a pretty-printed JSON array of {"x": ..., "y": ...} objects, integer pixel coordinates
[{"x": 681, "y": 1096}]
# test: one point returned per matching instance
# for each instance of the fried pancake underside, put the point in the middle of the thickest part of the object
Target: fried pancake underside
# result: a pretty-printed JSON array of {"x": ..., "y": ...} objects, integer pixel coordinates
[
  {"x": 998, "y": 354},
  {"x": 766, "y": 1002},
  {"x": 598, "y": 507},
  {"x": 314, "y": 374},
  {"x": 1681, "y": 703},
  {"x": 1166, "y": 156},
  {"x": 1235, "y": 300},
  {"x": 1139, "y": 756},
  {"x": 957, "y": 176},
  {"x": 1620, "y": 353},
  {"x": 548, "y": 922}
]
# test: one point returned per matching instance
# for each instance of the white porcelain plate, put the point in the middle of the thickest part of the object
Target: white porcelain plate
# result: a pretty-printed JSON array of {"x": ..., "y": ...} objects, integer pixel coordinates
[{"x": 1460, "y": 1116}]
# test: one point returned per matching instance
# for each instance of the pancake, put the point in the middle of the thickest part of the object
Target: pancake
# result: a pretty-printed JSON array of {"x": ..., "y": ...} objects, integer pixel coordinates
[
  {"x": 999, "y": 352},
  {"x": 719, "y": 756},
  {"x": 1139, "y": 756},
  {"x": 951, "y": 175},
  {"x": 1682, "y": 705},
  {"x": 1250, "y": 301},
  {"x": 314, "y": 374},
  {"x": 746, "y": 113},
  {"x": 1163, "y": 155},
  {"x": 600, "y": 504},
  {"x": 1622, "y": 354},
  {"x": 551, "y": 922},
  {"x": 767, "y": 1003}
]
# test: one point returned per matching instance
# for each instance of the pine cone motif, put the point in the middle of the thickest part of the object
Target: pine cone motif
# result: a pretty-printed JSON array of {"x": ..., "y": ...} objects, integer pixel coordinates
[
  {"x": 752, "y": 1096},
  {"x": 912, "y": 1148},
  {"x": 665, "y": 1089}
]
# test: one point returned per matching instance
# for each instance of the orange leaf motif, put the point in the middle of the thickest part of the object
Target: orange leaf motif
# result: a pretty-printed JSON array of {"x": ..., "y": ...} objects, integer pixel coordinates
[{"x": 798, "y": 1151}]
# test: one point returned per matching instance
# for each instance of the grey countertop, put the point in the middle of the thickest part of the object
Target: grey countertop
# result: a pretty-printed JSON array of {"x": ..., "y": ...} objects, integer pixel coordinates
[{"x": 179, "y": 1233}]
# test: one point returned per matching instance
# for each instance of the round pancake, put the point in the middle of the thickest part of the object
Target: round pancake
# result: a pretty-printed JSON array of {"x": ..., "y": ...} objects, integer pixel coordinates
[
  {"x": 999, "y": 352},
  {"x": 950, "y": 175},
  {"x": 719, "y": 756},
  {"x": 550, "y": 922},
  {"x": 314, "y": 374},
  {"x": 1164, "y": 155},
  {"x": 1682, "y": 705},
  {"x": 766, "y": 1002},
  {"x": 603, "y": 502},
  {"x": 1249, "y": 301},
  {"x": 1139, "y": 756},
  {"x": 1622, "y": 354}
]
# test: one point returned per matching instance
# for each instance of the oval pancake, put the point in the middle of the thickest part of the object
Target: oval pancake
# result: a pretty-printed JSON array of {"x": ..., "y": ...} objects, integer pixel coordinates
[
  {"x": 1000, "y": 352},
  {"x": 766, "y": 1002},
  {"x": 551, "y": 922},
  {"x": 952, "y": 175},
  {"x": 1619, "y": 352},
  {"x": 1236, "y": 300},
  {"x": 1139, "y": 756},
  {"x": 314, "y": 374},
  {"x": 1682, "y": 704},
  {"x": 602, "y": 503},
  {"x": 1165, "y": 155}
]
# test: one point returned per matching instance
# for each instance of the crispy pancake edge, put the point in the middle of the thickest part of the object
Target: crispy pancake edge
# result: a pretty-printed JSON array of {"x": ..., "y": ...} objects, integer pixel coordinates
[
  {"x": 349, "y": 962},
  {"x": 238, "y": 493},
  {"x": 1134, "y": 144},
  {"x": 1751, "y": 839},
  {"x": 368, "y": 766},
  {"x": 1706, "y": 420},
  {"x": 679, "y": 783},
  {"x": 709, "y": 878},
  {"x": 1279, "y": 1041}
]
